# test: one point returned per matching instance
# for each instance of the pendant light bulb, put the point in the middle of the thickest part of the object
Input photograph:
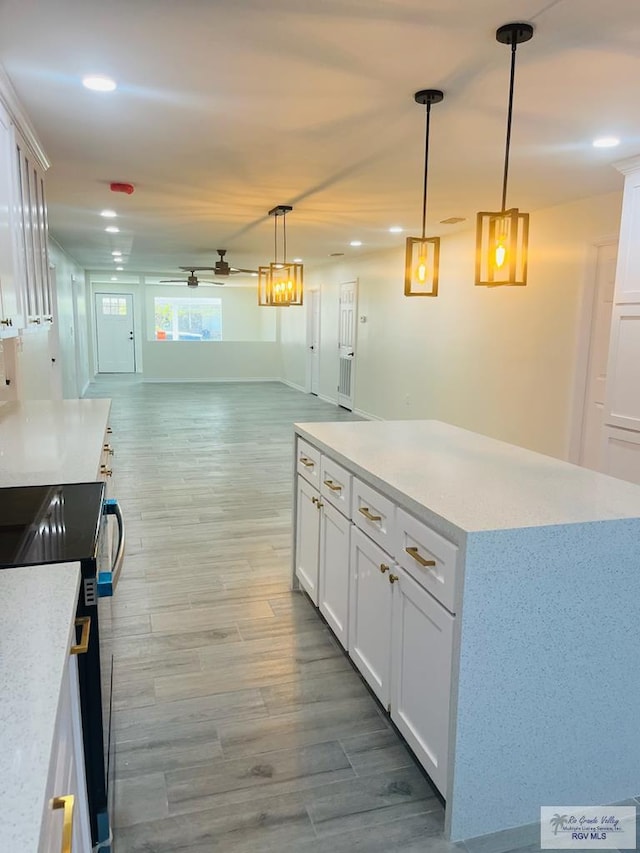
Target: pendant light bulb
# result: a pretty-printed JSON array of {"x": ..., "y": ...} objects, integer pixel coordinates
[
  {"x": 500, "y": 253},
  {"x": 421, "y": 269}
]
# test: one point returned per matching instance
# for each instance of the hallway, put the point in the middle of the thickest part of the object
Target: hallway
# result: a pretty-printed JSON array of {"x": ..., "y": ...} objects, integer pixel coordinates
[{"x": 240, "y": 724}]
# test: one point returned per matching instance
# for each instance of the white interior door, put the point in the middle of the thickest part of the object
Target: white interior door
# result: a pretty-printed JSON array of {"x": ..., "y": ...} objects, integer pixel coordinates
[
  {"x": 347, "y": 343},
  {"x": 313, "y": 342},
  {"x": 114, "y": 333},
  {"x": 593, "y": 421}
]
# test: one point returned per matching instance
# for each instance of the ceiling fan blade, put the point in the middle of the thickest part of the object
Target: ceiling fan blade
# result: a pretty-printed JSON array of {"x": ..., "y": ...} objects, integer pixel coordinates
[
  {"x": 208, "y": 281},
  {"x": 240, "y": 269},
  {"x": 196, "y": 269},
  {"x": 173, "y": 281}
]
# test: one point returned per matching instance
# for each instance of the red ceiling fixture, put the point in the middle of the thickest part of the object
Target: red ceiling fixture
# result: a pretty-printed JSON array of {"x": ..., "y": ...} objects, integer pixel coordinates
[{"x": 122, "y": 188}]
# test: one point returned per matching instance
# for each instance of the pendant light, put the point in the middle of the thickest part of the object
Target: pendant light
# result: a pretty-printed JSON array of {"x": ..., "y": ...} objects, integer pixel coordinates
[
  {"x": 422, "y": 257},
  {"x": 280, "y": 283},
  {"x": 502, "y": 237}
]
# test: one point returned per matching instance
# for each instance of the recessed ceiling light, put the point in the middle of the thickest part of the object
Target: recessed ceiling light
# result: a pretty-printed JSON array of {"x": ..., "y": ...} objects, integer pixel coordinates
[
  {"x": 297, "y": 260},
  {"x": 108, "y": 214},
  {"x": 254, "y": 275},
  {"x": 119, "y": 269},
  {"x": 356, "y": 243},
  {"x": 99, "y": 83},
  {"x": 116, "y": 252},
  {"x": 606, "y": 142},
  {"x": 112, "y": 229},
  {"x": 114, "y": 278},
  {"x": 396, "y": 229}
]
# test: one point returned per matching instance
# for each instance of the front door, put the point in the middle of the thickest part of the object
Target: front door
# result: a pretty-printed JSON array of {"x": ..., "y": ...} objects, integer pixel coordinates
[
  {"x": 114, "y": 333},
  {"x": 347, "y": 343}
]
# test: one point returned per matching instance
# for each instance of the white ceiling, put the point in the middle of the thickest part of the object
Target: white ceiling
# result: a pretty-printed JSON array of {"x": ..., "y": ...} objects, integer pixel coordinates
[{"x": 226, "y": 108}]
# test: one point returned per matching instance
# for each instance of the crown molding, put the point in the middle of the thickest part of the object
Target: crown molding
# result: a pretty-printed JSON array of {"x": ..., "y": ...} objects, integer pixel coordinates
[
  {"x": 629, "y": 165},
  {"x": 20, "y": 119}
]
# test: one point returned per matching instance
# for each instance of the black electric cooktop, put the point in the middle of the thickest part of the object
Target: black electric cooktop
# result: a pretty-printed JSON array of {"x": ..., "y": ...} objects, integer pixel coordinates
[{"x": 49, "y": 524}]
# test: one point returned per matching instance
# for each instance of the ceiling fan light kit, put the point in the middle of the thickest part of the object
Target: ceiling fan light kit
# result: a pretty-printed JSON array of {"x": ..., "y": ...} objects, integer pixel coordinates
[
  {"x": 280, "y": 284},
  {"x": 422, "y": 257},
  {"x": 502, "y": 237}
]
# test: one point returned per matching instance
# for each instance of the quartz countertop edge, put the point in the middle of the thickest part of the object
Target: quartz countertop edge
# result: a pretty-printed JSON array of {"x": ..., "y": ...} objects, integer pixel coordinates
[
  {"x": 48, "y": 442},
  {"x": 463, "y": 482},
  {"x": 37, "y": 613}
]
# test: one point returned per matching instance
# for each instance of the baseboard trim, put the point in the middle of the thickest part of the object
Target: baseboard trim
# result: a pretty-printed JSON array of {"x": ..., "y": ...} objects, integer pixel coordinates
[
  {"x": 367, "y": 415},
  {"x": 212, "y": 379},
  {"x": 293, "y": 385}
]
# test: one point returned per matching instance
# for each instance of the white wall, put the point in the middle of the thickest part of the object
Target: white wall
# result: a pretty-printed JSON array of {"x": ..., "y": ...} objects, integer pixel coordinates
[{"x": 500, "y": 361}]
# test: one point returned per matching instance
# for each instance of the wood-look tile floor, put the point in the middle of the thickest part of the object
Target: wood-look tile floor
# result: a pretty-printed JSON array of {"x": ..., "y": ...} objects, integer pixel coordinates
[{"x": 240, "y": 724}]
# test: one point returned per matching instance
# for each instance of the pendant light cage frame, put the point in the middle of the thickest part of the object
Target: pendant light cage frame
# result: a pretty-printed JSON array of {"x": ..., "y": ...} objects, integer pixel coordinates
[
  {"x": 281, "y": 284},
  {"x": 422, "y": 254},
  {"x": 502, "y": 236}
]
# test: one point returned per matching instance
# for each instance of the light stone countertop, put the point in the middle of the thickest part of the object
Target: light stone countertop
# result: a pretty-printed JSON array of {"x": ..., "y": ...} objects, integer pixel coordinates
[
  {"x": 44, "y": 442},
  {"x": 37, "y": 612},
  {"x": 470, "y": 481}
]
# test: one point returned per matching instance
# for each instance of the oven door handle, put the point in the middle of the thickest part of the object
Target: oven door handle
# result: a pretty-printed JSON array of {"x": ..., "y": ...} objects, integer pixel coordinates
[{"x": 108, "y": 581}]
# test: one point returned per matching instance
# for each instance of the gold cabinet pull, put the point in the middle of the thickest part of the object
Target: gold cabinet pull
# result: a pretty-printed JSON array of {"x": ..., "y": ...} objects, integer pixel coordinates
[
  {"x": 333, "y": 486},
  {"x": 83, "y": 645},
  {"x": 307, "y": 462},
  {"x": 106, "y": 471},
  {"x": 108, "y": 449},
  {"x": 109, "y": 431},
  {"x": 314, "y": 500},
  {"x": 413, "y": 552},
  {"x": 365, "y": 511},
  {"x": 67, "y": 803},
  {"x": 393, "y": 578},
  {"x": 384, "y": 568},
  {"x": 319, "y": 503}
]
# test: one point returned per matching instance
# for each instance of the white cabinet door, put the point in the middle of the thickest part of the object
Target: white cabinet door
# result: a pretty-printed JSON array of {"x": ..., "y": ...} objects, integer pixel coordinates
[
  {"x": 10, "y": 319},
  {"x": 66, "y": 774},
  {"x": 370, "y": 613},
  {"x": 623, "y": 374},
  {"x": 308, "y": 538},
  {"x": 621, "y": 454},
  {"x": 422, "y": 650},
  {"x": 334, "y": 571}
]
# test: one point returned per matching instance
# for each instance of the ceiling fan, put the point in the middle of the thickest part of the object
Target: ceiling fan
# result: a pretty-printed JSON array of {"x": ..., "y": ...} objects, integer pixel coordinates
[
  {"x": 192, "y": 279},
  {"x": 221, "y": 267}
]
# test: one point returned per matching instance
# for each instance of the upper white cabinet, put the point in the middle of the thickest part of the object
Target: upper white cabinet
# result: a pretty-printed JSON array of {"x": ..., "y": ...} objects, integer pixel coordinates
[
  {"x": 25, "y": 284},
  {"x": 628, "y": 269}
]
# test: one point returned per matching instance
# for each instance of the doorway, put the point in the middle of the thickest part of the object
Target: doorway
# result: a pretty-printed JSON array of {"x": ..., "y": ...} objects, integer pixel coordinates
[
  {"x": 347, "y": 343},
  {"x": 592, "y": 435},
  {"x": 313, "y": 343},
  {"x": 114, "y": 333}
]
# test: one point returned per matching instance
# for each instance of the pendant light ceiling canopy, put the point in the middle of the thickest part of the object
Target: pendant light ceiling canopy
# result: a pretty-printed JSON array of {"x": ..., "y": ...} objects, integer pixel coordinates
[
  {"x": 280, "y": 284},
  {"x": 502, "y": 237},
  {"x": 422, "y": 258}
]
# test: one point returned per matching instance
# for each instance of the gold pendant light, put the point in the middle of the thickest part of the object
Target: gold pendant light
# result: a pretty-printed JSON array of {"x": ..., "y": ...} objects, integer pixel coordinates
[
  {"x": 502, "y": 237},
  {"x": 422, "y": 259},
  {"x": 280, "y": 284}
]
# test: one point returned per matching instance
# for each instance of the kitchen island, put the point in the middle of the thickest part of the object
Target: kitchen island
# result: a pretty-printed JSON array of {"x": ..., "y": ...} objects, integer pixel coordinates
[{"x": 489, "y": 596}]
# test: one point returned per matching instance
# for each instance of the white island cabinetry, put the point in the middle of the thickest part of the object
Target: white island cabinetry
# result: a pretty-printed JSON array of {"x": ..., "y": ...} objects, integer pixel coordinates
[{"x": 481, "y": 578}]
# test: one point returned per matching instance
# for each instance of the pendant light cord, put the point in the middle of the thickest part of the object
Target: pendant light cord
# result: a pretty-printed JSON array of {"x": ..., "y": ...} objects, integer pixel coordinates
[
  {"x": 505, "y": 177},
  {"x": 275, "y": 239},
  {"x": 426, "y": 165},
  {"x": 284, "y": 238}
]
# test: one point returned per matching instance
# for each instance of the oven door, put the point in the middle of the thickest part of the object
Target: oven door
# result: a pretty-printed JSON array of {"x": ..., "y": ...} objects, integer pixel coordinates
[{"x": 110, "y": 560}]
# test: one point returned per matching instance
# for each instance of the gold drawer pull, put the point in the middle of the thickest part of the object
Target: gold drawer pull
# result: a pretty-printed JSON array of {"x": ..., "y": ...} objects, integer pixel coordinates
[
  {"x": 384, "y": 568},
  {"x": 307, "y": 462},
  {"x": 108, "y": 449},
  {"x": 365, "y": 511},
  {"x": 319, "y": 503},
  {"x": 83, "y": 645},
  {"x": 333, "y": 486},
  {"x": 393, "y": 578},
  {"x": 413, "y": 552},
  {"x": 109, "y": 431},
  {"x": 106, "y": 471},
  {"x": 67, "y": 803}
]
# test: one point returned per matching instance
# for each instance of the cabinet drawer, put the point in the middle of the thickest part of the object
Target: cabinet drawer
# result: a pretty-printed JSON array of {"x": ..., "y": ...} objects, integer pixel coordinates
[
  {"x": 335, "y": 485},
  {"x": 308, "y": 462},
  {"x": 430, "y": 559},
  {"x": 374, "y": 514}
]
